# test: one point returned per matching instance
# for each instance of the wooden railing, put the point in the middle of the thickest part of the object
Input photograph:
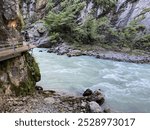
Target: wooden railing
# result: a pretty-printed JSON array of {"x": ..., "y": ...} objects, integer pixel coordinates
[
  {"x": 9, "y": 52},
  {"x": 4, "y": 45}
]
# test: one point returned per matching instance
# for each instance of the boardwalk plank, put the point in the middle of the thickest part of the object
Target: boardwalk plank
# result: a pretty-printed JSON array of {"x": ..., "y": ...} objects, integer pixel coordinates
[{"x": 10, "y": 53}]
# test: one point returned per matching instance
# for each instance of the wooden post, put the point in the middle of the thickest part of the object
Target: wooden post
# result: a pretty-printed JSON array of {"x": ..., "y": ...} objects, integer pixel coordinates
[{"x": 13, "y": 40}]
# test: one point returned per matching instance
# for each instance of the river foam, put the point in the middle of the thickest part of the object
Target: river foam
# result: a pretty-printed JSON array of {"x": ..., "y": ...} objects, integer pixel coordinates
[{"x": 126, "y": 85}]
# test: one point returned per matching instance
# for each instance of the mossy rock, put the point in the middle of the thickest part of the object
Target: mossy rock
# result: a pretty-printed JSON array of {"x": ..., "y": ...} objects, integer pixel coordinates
[
  {"x": 33, "y": 69},
  {"x": 27, "y": 84}
]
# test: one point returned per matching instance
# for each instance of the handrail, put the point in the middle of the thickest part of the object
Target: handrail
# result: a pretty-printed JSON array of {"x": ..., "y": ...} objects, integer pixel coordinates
[
  {"x": 10, "y": 46},
  {"x": 10, "y": 53}
]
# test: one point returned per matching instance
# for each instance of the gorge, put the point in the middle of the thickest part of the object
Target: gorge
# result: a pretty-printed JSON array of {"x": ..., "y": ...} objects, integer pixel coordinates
[{"x": 117, "y": 30}]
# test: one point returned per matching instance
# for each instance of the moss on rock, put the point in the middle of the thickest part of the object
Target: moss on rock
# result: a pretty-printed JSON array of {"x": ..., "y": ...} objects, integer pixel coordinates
[
  {"x": 19, "y": 75},
  {"x": 33, "y": 69}
]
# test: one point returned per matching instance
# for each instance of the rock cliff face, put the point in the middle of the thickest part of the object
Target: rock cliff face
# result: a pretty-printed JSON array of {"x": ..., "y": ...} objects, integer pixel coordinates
[
  {"x": 124, "y": 11},
  {"x": 10, "y": 22},
  {"x": 133, "y": 10},
  {"x": 117, "y": 21},
  {"x": 18, "y": 75}
]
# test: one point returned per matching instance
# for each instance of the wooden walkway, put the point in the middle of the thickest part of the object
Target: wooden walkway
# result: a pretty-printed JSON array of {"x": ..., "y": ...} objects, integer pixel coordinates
[{"x": 11, "y": 53}]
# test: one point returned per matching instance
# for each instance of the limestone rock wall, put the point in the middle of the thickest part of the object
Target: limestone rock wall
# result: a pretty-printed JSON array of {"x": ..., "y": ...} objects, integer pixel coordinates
[
  {"x": 11, "y": 22},
  {"x": 133, "y": 10},
  {"x": 18, "y": 75}
]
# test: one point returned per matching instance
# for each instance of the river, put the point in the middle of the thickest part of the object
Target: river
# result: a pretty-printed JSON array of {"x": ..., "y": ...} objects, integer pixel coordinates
[{"x": 126, "y": 86}]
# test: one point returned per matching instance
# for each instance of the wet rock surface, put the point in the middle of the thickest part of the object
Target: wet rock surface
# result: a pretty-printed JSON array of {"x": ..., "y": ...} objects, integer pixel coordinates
[{"x": 50, "y": 102}]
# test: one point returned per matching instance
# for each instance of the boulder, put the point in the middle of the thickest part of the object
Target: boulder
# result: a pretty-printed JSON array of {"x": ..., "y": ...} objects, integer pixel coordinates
[
  {"x": 99, "y": 99},
  {"x": 95, "y": 107},
  {"x": 98, "y": 56},
  {"x": 62, "y": 51},
  {"x": 50, "y": 51},
  {"x": 38, "y": 34},
  {"x": 83, "y": 104},
  {"x": 107, "y": 110},
  {"x": 98, "y": 92},
  {"x": 96, "y": 96},
  {"x": 88, "y": 92},
  {"x": 49, "y": 100},
  {"x": 74, "y": 53},
  {"x": 38, "y": 88},
  {"x": 44, "y": 42}
]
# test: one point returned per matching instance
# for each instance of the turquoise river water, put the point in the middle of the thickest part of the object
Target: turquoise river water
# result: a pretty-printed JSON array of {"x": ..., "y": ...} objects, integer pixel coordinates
[{"x": 126, "y": 86}]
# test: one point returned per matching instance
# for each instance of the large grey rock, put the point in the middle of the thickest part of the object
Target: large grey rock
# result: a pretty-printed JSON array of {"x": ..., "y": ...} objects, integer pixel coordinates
[
  {"x": 74, "y": 53},
  {"x": 9, "y": 22},
  {"x": 29, "y": 10},
  {"x": 11, "y": 9},
  {"x": 44, "y": 42},
  {"x": 95, "y": 107},
  {"x": 83, "y": 104},
  {"x": 62, "y": 49},
  {"x": 49, "y": 100},
  {"x": 95, "y": 96},
  {"x": 38, "y": 34},
  {"x": 86, "y": 11},
  {"x": 137, "y": 10},
  {"x": 98, "y": 97}
]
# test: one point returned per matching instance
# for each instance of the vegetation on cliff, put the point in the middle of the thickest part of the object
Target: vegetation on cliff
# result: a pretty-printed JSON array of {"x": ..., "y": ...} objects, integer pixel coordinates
[{"x": 64, "y": 25}]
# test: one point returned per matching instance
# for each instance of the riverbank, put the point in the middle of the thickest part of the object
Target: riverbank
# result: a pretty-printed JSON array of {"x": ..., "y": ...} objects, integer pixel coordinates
[
  {"x": 125, "y": 85},
  {"x": 136, "y": 56},
  {"x": 53, "y": 102}
]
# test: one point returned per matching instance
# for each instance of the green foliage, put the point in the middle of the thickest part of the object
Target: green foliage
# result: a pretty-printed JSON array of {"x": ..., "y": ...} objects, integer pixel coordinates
[
  {"x": 143, "y": 42},
  {"x": 141, "y": 16},
  {"x": 63, "y": 25},
  {"x": 106, "y": 4},
  {"x": 128, "y": 36},
  {"x": 146, "y": 10},
  {"x": 50, "y": 4},
  {"x": 33, "y": 69},
  {"x": 88, "y": 32}
]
